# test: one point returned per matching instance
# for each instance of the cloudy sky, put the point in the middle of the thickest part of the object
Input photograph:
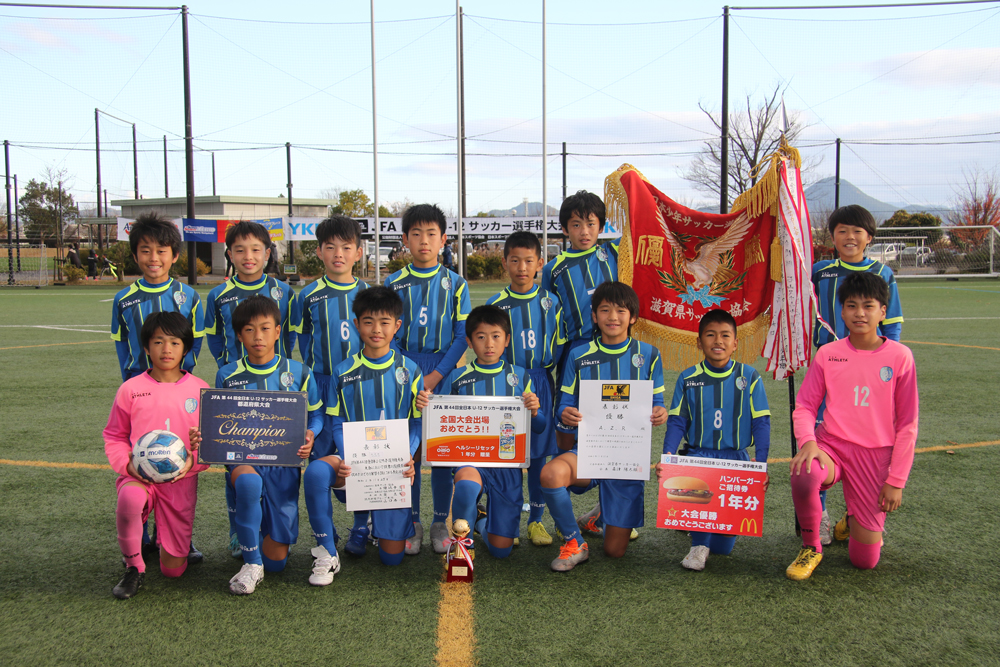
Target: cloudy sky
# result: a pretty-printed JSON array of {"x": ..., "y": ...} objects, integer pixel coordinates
[{"x": 913, "y": 92}]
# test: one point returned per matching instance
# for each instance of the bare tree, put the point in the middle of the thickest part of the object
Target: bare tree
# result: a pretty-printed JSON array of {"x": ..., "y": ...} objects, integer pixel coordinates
[{"x": 754, "y": 134}]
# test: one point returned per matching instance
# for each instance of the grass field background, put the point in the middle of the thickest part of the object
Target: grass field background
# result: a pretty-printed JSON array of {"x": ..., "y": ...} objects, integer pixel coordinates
[{"x": 932, "y": 600}]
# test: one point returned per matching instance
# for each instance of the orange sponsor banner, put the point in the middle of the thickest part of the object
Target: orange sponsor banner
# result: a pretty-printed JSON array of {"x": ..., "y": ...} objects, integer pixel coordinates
[{"x": 483, "y": 431}]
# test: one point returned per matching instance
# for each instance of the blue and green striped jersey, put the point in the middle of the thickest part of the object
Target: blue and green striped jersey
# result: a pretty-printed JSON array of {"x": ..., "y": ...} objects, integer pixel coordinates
[
  {"x": 327, "y": 335},
  {"x": 500, "y": 379},
  {"x": 222, "y": 301},
  {"x": 573, "y": 276},
  {"x": 719, "y": 409},
  {"x": 828, "y": 275},
  {"x": 537, "y": 331},
  {"x": 631, "y": 360},
  {"x": 132, "y": 305},
  {"x": 368, "y": 389},
  {"x": 435, "y": 305},
  {"x": 281, "y": 374}
]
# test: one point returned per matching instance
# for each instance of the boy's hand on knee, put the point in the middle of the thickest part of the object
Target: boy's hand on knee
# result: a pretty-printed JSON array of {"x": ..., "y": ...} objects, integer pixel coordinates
[
  {"x": 890, "y": 498},
  {"x": 571, "y": 417},
  {"x": 305, "y": 449},
  {"x": 805, "y": 457},
  {"x": 659, "y": 416},
  {"x": 423, "y": 399},
  {"x": 134, "y": 474},
  {"x": 531, "y": 402}
]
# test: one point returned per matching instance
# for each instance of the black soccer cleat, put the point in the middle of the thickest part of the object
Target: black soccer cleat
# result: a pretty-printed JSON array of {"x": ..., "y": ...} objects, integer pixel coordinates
[
  {"x": 130, "y": 583},
  {"x": 195, "y": 556}
]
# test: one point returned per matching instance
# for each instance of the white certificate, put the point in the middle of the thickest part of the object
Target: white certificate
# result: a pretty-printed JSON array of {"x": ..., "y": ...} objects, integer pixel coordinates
[
  {"x": 377, "y": 452},
  {"x": 615, "y": 435}
]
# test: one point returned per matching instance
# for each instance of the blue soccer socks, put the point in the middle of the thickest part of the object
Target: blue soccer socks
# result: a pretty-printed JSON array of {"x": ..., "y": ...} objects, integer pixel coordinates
[
  {"x": 316, "y": 483},
  {"x": 536, "y": 499},
  {"x": 561, "y": 508},
  {"x": 249, "y": 515},
  {"x": 440, "y": 493},
  {"x": 463, "y": 505}
]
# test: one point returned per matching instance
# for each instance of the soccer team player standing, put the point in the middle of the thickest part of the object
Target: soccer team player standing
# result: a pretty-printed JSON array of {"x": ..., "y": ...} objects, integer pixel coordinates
[{"x": 380, "y": 352}]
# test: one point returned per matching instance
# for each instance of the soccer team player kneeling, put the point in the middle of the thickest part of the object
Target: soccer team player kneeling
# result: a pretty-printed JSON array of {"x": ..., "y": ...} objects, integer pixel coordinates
[{"x": 403, "y": 344}]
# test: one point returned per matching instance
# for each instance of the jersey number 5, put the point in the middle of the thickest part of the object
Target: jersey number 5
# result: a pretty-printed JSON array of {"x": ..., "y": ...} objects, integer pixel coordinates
[
  {"x": 863, "y": 395},
  {"x": 422, "y": 316}
]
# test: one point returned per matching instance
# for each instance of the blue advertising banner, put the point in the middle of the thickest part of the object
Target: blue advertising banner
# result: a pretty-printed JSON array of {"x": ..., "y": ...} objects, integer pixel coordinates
[
  {"x": 201, "y": 231},
  {"x": 261, "y": 428}
]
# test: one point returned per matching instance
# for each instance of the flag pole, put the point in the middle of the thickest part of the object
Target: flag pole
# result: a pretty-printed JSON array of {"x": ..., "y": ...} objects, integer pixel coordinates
[{"x": 545, "y": 156}]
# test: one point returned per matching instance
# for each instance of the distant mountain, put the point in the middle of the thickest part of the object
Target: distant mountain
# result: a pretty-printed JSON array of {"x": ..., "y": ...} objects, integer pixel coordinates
[
  {"x": 534, "y": 208},
  {"x": 820, "y": 197}
]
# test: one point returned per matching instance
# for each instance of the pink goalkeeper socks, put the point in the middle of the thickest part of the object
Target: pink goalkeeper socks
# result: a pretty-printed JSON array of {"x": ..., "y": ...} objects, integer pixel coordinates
[
  {"x": 808, "y": 508},
  {"x": 863, "y": 556},
  {"x": 128, "y": 520}
]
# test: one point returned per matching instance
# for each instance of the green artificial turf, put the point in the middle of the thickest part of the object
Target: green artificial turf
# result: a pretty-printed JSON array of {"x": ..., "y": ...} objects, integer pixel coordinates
[{"x": 933, "y": 599}]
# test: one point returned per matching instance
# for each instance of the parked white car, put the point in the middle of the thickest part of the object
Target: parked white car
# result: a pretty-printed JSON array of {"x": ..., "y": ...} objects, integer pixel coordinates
[
  {"x": 915, "y": 256},
  {"x": 884, "y": 252}
]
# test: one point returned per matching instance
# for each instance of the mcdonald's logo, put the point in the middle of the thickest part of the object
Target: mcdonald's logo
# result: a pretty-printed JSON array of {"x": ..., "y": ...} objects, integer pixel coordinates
[{"x": 748, "y": 525}]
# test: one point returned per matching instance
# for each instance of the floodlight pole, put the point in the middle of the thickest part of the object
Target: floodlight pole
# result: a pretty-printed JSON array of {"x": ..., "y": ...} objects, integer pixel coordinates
[
  {"x": 378, "y": 222},
  {"x": 189, "y": 147},
  {"x": 461, "y": 117},
  {"x": 17, "y": 225},
  {"x": 724, "y": 152},
  {"x": 836, "y": 183},
  {"x": 10, "y": 248},
  {"x": 213, "y": 176},
  {"x": 545, "y": 152},
  {"x": 458, "y": 131},
  {"x": 288, "y": 168},
  {"x": 97, "y": 140},
  {"x": 166, "y": 180},
  {"x": 135, "y": 161}
]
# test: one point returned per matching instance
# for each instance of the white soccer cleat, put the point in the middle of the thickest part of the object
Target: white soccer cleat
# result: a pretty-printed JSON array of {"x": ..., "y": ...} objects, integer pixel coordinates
[
  {"x": 825, "y": 531},
  {"x": 696, "y": 558},
  {"x": 324, "y": 566},
  {"x": 246, "y": 580},
  {"x": 412, "y": 547},
  {"x": 439, "y": 533}
]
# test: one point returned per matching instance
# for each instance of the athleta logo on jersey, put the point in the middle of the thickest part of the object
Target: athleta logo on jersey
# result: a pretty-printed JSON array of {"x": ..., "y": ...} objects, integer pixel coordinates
[
  {"x": 140, "y": 394},
  {"x": 228, "y": 299},
  {"x": 841, "y": 359},
  {"x": 129, "y": 304}
]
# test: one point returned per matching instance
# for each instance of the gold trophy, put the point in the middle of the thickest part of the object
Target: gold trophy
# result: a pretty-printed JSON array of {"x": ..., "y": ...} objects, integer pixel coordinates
[{"x": 459, "y": 562}]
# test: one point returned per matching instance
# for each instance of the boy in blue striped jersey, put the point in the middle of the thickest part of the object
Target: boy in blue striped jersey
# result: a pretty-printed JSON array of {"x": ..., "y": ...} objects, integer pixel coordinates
[
  {"x": 720, "y": 408},
  {"x": 491, "y": 375},
  {"x": 575, "y": 274},
  {"x": 376, "y": 383},
  {"x": 155, "y": 243},
  {"x": 248, "y": 246},
  {"x": 852, "y": 228},
  {"x": 266, "y": 497},
  {"x": 435, "y": 305},
  {"x": 614, "y": 355},
  {"x": 538, "y": 333}
]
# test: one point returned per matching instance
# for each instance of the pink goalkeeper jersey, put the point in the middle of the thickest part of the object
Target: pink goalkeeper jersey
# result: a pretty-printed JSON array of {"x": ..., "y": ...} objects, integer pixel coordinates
[
  {"x": 143, "y": 405},
  {"x": 871, "y": 400}
]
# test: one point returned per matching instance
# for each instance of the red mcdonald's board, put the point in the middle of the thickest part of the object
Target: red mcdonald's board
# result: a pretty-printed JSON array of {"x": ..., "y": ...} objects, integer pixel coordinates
[{"x": 711, "y": 495}]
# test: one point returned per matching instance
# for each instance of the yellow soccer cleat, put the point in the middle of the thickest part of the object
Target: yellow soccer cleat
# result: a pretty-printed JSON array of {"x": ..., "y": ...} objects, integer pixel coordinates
[
  {"x": 842, "y": 530},
  {"x": 538, "y": 535},
  {"x": 804, "y": 564}
]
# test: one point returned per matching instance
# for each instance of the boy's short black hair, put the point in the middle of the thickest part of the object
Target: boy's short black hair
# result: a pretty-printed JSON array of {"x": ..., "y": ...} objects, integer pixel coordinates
[
  {"x": 377, "y": 300},
  {"x": 618, "y": 294},
  {"x": 171, "y": 323},
  {"x": 864, "y": 285},
  {"x": 853, "y": 215},
  {"x": 250, "y": 230},
  {"x": 256, "y": 306},
  {"x": 583, "y": 203},
  {"x": 522, "y": 239},
  {"x": 154, "y": 227},
  {"x": 424, "y": 213},
  {"x": 716, "y": 316},
  {"x": 338, "y": 227},
  {"x": 488, "y": 315}
]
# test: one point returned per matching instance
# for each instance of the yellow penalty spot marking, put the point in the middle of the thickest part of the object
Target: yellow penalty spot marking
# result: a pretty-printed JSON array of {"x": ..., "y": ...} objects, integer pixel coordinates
[
  {"x": 86, "y": 342},
  {"x": 971, "y": 347}
]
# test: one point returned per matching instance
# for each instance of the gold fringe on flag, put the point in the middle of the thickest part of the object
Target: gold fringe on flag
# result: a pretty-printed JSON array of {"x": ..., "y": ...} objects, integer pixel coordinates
[
  {"x": 763, "y": 197},
  {"x": 677, "y": 347}
]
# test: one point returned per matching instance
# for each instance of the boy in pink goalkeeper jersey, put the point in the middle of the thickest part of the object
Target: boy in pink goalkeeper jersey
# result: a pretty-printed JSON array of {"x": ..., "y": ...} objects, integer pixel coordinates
[
  {"x": 162, "y": 398},
  {"x": 867, "y": 436}
]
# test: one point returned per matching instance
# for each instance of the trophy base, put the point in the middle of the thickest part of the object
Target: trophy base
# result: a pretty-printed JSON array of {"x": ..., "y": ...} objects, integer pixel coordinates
[{"x": 458, "y": 569}]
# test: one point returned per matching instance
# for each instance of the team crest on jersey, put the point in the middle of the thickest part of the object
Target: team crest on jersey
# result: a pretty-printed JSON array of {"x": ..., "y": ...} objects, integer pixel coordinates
[
  {"x": 191, "y": 405},
  {"x": 180, "y": 298},
  {"x": 512, "y": 379},
  {"x": 276, "y": 293},
  {"x": 885, "y": 373},
  {"x": 602, "y": 254},
  {"x": 546, "y": 303},
  {"x": 446, "y": 283},
  {"x": 402, "y": 376},
  {"x": 287, "y": 379},
  {"x": 638, "y": 360},
  {"x": 741, "y": 383}
]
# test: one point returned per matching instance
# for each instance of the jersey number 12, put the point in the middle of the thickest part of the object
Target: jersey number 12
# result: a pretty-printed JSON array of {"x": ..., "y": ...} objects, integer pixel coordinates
[{"x": 862, "y": 395}]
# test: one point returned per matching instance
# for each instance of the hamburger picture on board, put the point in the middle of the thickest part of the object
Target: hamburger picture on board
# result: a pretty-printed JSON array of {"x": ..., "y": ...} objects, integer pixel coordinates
[{"x": 687, "y": 490}]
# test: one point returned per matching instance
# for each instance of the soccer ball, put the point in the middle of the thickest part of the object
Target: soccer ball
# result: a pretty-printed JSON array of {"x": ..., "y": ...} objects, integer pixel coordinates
[{"x": 159, "y": 456}]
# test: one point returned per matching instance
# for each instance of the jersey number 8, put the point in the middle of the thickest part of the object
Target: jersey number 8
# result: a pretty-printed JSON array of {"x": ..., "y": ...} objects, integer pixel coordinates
[{"x": 717, "y": 422}]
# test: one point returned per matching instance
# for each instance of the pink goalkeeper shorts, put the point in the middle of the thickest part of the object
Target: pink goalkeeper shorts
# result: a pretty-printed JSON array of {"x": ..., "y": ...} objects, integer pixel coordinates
[
  {"x": 863, "y": 472},
  {"x": 174, "y": 508}
]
